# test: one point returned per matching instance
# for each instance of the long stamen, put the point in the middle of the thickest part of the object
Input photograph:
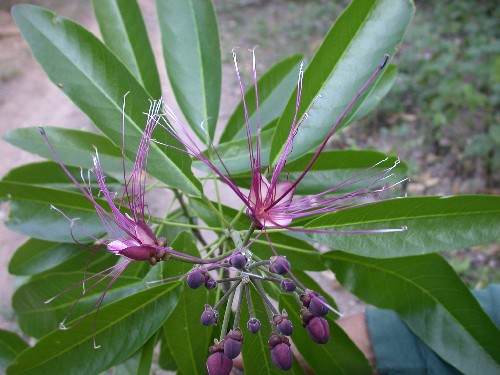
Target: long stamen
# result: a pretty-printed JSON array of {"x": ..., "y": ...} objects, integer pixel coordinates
[{"x": 332, "y": 130}]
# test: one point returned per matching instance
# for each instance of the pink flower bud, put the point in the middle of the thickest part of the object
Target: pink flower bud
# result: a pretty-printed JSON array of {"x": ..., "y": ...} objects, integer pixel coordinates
[
  {"x": 219, "y": 364},
  {"x": 318, "y": 330}
]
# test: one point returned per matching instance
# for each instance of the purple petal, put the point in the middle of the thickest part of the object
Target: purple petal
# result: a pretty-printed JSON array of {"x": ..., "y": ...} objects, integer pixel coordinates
[{"x": 144, "y": 234}]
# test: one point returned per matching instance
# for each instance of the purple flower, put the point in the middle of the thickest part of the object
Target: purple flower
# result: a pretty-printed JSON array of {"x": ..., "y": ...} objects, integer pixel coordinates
[
  {"x": 130, "y": 236},
  {"x": 270, "y": 202}
]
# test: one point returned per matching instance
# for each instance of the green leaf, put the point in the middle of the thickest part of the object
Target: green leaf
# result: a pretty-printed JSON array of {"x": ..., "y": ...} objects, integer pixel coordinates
[
  {"x": 51, "y": 175},
  {"x": 379, "y": 91},
  {"x": 434, "y": 224},
  {"x": 349, "y": 54},
  {"x": 187, "y": 339},
  {"x": 191, "y": 50},
  {"x": 274, "y": 88},
  {"x": 333, "y": 168},
  {"x": 165, "y": 360},
  {"x": 121, "y": 329},
  {"x": 234, "y": 154},
  {"x": 433, "y": 302},
  {"x": 140, "y": 362},
  {"x": 74, "y": 147},
  {"x": 37, "y": 318},
  {"x": 338, "y": 356},
  {"x": 257, "y": 346},
  {"x": 36, "y": 256},
  {"x": 96, "y": 81},
  {"x": 31, "y": 214},
  {"x": 311, "y": 284},
  {"x": 185, "y": 243},
  {"x": 124, "y": 32},
  {"x": 10, "y": 346}
]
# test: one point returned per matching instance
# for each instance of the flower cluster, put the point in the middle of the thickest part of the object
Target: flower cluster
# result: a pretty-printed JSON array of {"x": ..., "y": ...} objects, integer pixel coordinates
[
  {"x": 270, "y": 203},
  {"x": 250, "y": 274}
]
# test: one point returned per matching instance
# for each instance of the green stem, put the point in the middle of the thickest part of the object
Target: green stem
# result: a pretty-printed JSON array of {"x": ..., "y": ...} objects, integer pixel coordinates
[
  {"x": 249, "y": 302},
  {"x": 238, "y": 215},
  {"x": 191, "y": 220},
  {"x": 227, "y": 315},
  {"x": 226, "y": 295},
  {"x": 186, "y": 225},
  {"x": 239, "y": 306},
  {"x": 263, "y": 295},
  {"x": 249, "y": 234},
  {"x": 258, "y": 264},
  {"x": 216, "y": 211}
]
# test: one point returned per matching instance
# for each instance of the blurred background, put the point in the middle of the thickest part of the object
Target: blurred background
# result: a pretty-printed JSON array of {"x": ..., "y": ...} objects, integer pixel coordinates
[{"x": 441, "y": 117}]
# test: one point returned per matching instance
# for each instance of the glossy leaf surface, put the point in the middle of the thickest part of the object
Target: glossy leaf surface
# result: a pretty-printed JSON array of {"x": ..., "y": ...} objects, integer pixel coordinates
[
  {"x": 97, "y": 81},
  {"x": 189, "y": 340},
  {"x": 37, "y": 318},
  {"x": 137, "y": 317},
  {"x": 333, "y": 168},
  {"x": 124, "y": 32},
  {"x": 10, "y": 347},
  {"x": 191, "y": 49},
  {"x": 349, "y": 54},
  {"x": 431, "y": 299},
  {"x": 274, "y": 88},
  {"x": 257, "y": 346},
  {"x": 338, "y": 356},
  {"x": 74, "y": 147},
  {"x": 434, "y": 224}
]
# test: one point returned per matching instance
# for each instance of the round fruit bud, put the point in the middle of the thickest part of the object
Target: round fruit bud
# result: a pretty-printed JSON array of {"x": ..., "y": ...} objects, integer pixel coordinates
[
  {"x": 285, "y": 327},
  {"x": 288, "y": 285},
  {"x": 281, "y": 354},
  {"x": 238, "y": 260},
  {"x": 318, "y": 306},
  {"x": 253, "y": 325},
  {"x": 210, "y": 283},
  {"x": 275, "y": 340},
  {"x": 209, "y": 316},
  {"x": 318, "y": 330},
  {"x": 196, "y": 278},
  {"x": 283, "y": 323},
  {"x": 232, "y": 343},
  {"x": 279, "y": 265},
  {"x": 219, "y": 364},
  {"x": 306, "y": 316}
]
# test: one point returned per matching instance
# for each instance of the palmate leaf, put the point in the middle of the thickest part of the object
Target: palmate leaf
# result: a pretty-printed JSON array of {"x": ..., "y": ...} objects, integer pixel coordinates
[
  {"x": 191, "y": 50},
  {"x": 349, "y": 54},
  {"x": 433, "y": 302},
  {"x": 135, "y": 318},
  {"x": 96, "y": 81},
  {"x": 434, "y": 224},
  {"x": 124, "y": 32}
]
